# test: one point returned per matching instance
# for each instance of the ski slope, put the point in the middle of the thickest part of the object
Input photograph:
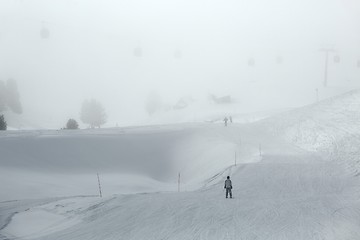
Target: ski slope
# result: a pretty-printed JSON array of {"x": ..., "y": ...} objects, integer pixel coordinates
[
  {"x": 290, "y": 194},
  {"x": 289, "y": 191},
  {"x": 330, "y": 127},
  {"x": 46, "y": 163}
]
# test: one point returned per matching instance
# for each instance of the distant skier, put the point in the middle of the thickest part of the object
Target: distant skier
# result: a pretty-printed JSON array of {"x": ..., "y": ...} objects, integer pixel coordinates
[
  {"x": 225, "y": 121},
  {"x": 228, "y": 187},
  {"x": 230, "y": 118}
]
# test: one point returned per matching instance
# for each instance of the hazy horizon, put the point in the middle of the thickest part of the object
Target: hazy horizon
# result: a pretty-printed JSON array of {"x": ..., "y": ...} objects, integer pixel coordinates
[{"x": 119, "y": 52}]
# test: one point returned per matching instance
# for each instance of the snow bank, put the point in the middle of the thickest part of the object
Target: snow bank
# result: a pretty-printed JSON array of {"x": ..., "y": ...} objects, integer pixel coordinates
[{"x": 330, "y": 127}]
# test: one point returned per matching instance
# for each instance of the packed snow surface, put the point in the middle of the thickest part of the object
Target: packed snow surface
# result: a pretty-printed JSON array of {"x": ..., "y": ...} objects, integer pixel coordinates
[
  {"x": 330, "y": 127},
  {"x": 282, "y": 189},
  {"x": 38, "y": 164}
]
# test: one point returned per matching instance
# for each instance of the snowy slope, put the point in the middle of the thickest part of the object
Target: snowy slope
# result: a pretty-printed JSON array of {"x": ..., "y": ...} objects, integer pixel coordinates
[
  {"x": 37, "y": 164},
  {"x": 290, "y": 194},
  {"x": 292, "y": 191},
  {"x": 206, "y": 111},
  {"x": 318, "y": 126},
  {"x": 330, "y": 127}
]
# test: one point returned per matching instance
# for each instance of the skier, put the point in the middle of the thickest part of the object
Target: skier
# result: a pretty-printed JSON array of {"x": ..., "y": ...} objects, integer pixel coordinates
[
  {"x": 225, "y": 121},
  {"x": 230, "y": 119},
  {"x": 228, "y": 187}
]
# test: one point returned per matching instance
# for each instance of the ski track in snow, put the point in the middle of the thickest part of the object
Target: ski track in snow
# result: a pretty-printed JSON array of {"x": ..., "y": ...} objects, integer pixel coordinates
[
  {"x": 297, "y": 202},
  {"x": 289, "y": 194}
]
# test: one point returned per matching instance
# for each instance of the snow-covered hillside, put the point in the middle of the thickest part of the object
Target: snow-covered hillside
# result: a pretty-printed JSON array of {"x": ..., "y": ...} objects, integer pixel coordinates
[
  {"x": 289, "y": 194},
  {"x": 47, "y": 163},
  {"x": 286, "y": 186},
  {"x": 330, "y": 127}
]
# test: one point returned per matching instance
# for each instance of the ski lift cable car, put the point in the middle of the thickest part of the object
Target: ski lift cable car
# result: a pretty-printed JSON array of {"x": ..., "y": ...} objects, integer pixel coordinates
[
  {"x": 138, "y": 52},
  {"x": 251, "y": 61},
  {"x": 44, "y": 32}
]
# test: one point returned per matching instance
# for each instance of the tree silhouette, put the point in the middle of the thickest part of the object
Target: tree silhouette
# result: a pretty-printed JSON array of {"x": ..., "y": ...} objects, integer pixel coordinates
[
  {"x": 3, "y": 124},
  {"x": 72, "y": 124},
  {"x": 93, "y": 113}
]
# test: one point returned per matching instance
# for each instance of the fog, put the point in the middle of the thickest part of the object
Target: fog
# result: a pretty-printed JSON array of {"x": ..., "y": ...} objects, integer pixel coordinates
[{"x": 265, "y": 54}]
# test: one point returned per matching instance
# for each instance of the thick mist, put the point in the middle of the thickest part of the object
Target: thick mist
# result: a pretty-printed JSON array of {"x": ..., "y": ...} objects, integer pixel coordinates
[{"x": 265, "y": 54}]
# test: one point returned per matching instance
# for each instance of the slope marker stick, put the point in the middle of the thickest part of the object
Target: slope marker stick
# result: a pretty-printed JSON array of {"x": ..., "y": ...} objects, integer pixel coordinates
[
  {"x": 235, "y": 158},
  {"x": 99, "y": 184},
  {"x": 260, "y": 150}
]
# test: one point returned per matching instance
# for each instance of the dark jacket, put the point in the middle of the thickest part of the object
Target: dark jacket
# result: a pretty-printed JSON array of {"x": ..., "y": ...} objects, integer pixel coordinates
[{"x": 228, "y": 184}]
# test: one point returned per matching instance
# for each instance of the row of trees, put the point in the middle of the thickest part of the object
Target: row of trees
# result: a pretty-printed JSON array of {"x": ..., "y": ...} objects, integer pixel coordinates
[{"x": 92, "y": 113}]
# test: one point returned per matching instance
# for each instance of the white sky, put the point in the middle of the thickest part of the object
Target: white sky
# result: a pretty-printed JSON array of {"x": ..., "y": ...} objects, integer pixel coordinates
[{"x": 90, "y": 52}]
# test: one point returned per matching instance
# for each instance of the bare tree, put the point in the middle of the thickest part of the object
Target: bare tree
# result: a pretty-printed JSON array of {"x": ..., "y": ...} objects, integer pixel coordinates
[
  {"x": 9, "y": 96},
  {"x": 93, "y": 113},
  {"x": 13, "y": 96}
]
